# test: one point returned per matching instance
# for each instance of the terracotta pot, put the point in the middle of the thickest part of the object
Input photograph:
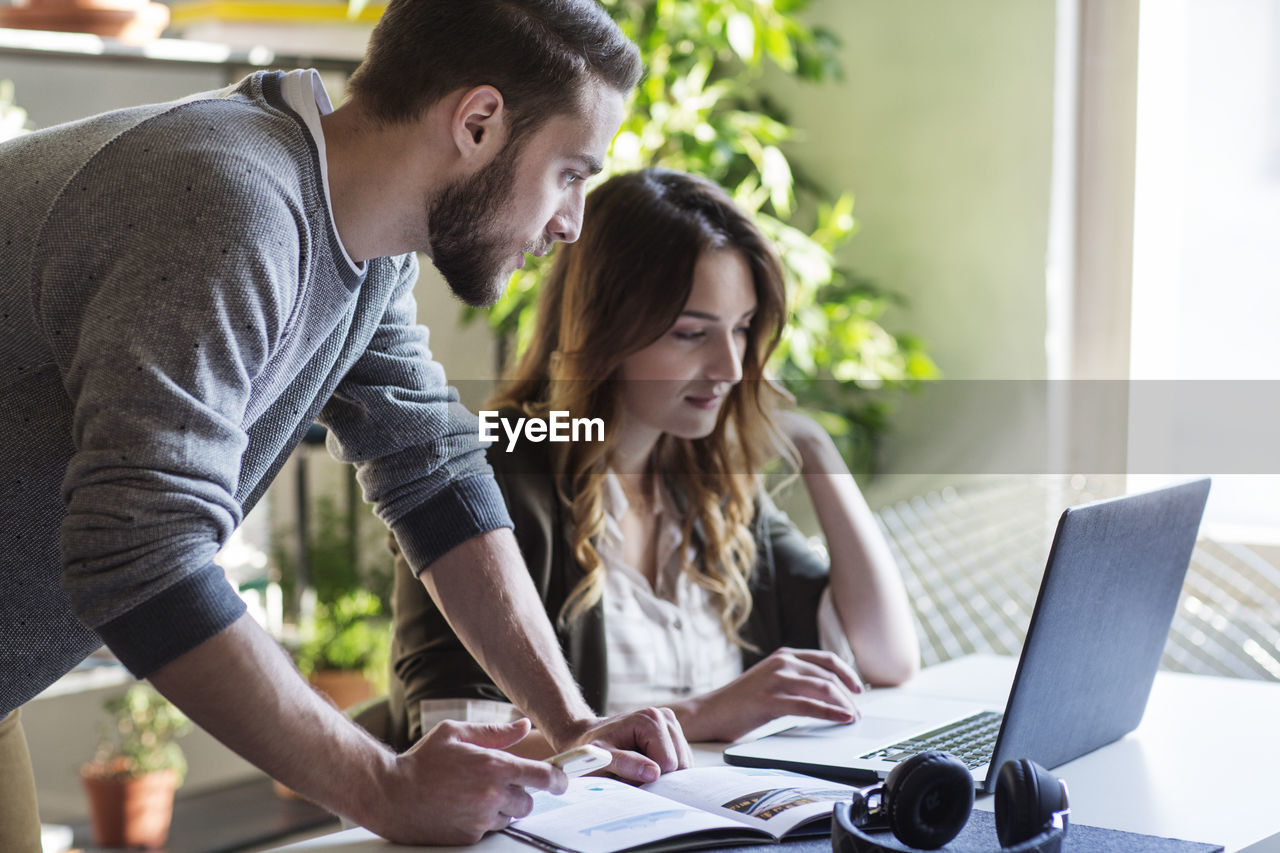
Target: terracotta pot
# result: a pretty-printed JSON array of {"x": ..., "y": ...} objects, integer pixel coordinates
[
  {"x": 127, "y": 20},
  {"x": 346, "y": 687},
  {"x": 131, "y": 811}
]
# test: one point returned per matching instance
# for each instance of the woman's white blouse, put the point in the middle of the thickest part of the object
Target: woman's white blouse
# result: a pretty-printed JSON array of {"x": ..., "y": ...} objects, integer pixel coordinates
[{"x": 663, "y": 643}]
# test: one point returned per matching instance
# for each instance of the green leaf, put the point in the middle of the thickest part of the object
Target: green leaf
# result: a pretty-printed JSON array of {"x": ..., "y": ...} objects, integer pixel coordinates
[
  {"x": 742, "y": 36},
  {"x": 775, "y": 174}
]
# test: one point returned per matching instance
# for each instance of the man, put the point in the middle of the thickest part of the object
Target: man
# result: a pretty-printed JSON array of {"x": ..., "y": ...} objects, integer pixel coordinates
[{"x": 188, "y": 285}]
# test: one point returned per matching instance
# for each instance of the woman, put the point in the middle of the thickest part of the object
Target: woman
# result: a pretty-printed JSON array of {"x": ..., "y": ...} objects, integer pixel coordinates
[{"x": 670, "y": 575}]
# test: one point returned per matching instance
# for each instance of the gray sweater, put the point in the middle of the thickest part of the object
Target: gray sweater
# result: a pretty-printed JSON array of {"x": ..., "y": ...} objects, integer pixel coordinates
[{"x": 176, "y": 311}]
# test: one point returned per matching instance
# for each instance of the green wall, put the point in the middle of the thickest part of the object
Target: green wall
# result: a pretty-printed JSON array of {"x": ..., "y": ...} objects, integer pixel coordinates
[{"x": 942, "y": 128}]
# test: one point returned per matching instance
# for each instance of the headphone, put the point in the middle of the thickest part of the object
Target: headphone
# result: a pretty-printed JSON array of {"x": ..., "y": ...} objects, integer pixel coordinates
[{"x": 926, "y": 800}]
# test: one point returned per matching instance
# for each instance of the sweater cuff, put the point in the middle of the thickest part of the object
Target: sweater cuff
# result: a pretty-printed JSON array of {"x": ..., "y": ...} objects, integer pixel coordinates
[
  {"x": 172, "y": 623},
  {"x": 463, "y": 511}
]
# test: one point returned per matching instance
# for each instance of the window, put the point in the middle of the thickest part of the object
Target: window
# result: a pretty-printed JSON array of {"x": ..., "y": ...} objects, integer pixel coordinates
[{"x": 1206, "y": 265}]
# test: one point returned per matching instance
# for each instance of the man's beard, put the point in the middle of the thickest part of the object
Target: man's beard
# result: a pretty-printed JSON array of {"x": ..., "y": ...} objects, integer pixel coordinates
[{"x": 467, "y": 244}]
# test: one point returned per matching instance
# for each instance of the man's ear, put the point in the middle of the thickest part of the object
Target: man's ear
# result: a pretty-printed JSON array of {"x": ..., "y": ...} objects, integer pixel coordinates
[{"x": 479, "y": 122}]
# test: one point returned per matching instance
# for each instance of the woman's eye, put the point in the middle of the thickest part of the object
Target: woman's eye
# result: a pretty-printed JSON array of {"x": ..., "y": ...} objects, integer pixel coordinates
[
  {"x": 742, "y": 330},
  {"x": 690, "y": 336}
]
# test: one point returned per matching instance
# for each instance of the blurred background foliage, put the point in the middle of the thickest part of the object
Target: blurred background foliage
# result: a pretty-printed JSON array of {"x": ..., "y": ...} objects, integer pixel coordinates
[
  {"x": 344, "y": 623},
  {"x": 13, "y": 118},
  {"x": 350, "y": 632},
  {"x": 701, "y": 108},
  {"x": 346, "y": 552}
]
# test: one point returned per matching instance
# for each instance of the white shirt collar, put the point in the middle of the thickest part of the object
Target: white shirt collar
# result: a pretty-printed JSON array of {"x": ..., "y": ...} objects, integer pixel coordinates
[{"x": 305, "y": 94}]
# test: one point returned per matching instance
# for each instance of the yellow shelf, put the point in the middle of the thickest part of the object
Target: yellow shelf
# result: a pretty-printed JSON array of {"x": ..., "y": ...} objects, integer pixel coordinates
[{"x": 244, "y": 11}]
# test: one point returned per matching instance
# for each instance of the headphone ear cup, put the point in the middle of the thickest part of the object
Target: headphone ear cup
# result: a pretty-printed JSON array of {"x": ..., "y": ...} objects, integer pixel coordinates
[
  {"x": 927, "y": 799},
  {"x": 1027, "y": 795}
]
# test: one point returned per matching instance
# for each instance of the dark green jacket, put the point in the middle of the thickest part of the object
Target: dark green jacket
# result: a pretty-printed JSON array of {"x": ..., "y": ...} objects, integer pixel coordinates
[{"x": 429, "y": 662}]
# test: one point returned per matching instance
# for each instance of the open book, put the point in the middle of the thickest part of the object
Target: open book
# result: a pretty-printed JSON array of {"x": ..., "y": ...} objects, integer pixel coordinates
[{"x": 701, "y": 807}]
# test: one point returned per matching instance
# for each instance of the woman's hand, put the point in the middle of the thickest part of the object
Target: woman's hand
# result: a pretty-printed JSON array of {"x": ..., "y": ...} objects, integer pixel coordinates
[{"x": 802, "y": 682}]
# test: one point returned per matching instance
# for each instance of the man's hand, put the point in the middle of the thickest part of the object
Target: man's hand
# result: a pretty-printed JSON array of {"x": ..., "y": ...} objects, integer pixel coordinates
[
  {"x": 801, "y": 682},
  {"x": 450, "y": 788},
  {"x": 651, "y": 732},
  {"x": 485, "y": 576},
  {"x": 455, "y": 785}
]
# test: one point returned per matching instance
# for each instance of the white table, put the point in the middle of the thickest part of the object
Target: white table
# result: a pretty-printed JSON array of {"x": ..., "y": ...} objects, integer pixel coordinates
[{"x": 1204, "y": 765}]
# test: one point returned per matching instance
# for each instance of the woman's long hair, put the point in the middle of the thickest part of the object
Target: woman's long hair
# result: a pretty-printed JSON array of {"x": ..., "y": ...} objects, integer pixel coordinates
[{"x": 614, "y": 292}]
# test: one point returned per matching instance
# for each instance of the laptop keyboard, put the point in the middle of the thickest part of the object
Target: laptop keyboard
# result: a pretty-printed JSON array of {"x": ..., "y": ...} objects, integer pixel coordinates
[{"x": 972, "y": 740}]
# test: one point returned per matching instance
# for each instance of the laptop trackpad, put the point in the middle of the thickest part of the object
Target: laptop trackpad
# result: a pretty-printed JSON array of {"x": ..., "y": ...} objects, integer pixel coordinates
[
  {"x": 887, "y": 717},
  {"x": 874, "y": 728}
]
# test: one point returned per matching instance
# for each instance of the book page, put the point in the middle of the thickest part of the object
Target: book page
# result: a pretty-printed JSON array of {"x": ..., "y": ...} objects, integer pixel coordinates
[
  {"x": 776, "y": 801},
  {"x": 599, "y": 815}
]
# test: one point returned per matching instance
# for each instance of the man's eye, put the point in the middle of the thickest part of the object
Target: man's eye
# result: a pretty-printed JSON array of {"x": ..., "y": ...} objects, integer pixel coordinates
[{"x": 571, "y": 178}]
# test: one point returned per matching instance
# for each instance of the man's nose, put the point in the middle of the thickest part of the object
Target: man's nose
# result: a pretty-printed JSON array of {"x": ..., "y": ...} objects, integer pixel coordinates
[{"x": 566, "y": 225}]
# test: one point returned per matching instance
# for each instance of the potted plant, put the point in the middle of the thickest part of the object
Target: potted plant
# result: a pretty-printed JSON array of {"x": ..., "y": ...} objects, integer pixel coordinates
[
  {"x": 342, "y": 642},
  {"x": 348, "y": 648},
  {"x": 132, "y": 778}
]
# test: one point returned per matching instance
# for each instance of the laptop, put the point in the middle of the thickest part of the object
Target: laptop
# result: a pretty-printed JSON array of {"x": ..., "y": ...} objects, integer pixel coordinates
[{"x": 1097, "y": 632}]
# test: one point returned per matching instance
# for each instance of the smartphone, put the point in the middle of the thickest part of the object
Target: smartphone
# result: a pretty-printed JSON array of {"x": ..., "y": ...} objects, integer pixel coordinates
[{"x": 581, "y": 759}]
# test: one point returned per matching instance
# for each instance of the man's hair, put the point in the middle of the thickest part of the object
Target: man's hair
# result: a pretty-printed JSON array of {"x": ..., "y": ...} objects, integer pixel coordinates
[{"x": 539, "y": 54}]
